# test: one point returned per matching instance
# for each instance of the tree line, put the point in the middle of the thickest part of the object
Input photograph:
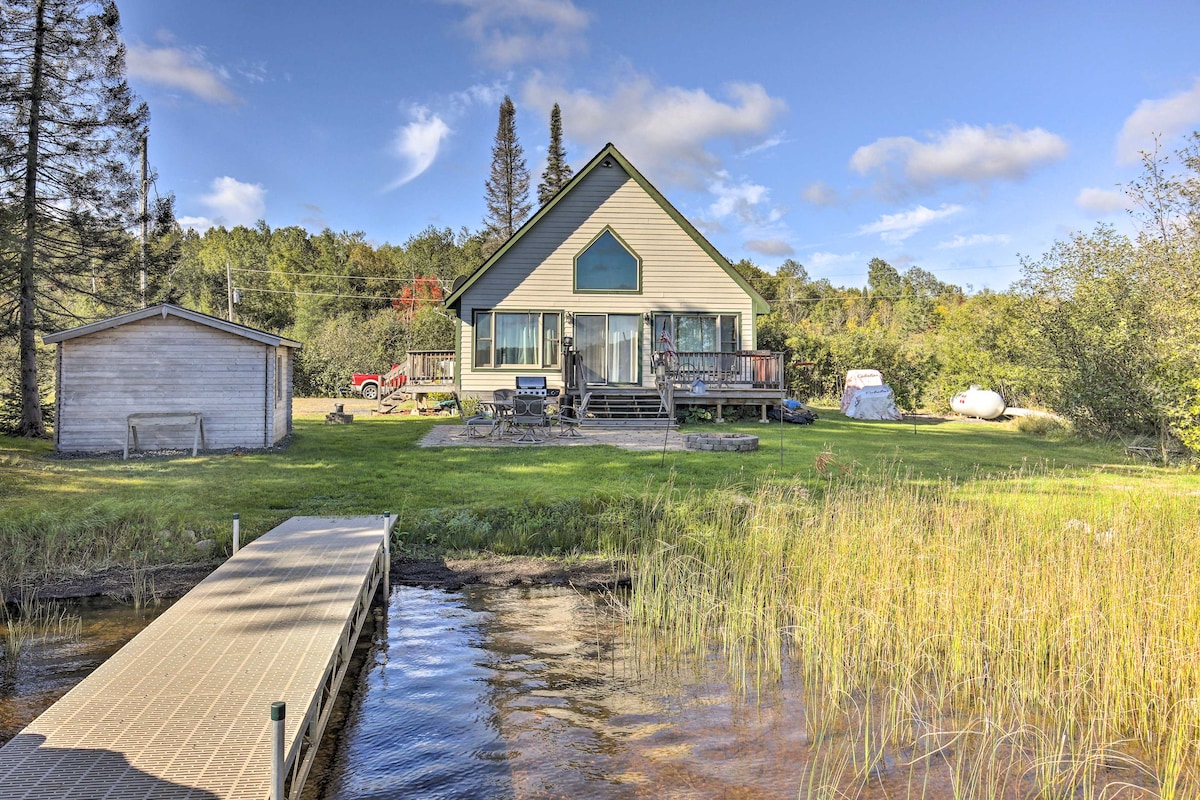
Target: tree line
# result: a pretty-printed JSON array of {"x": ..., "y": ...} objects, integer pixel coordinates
[{"x": 1103, "y": 328}]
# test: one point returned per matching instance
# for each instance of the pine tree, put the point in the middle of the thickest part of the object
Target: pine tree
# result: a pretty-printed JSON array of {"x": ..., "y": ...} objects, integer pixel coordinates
[
  {"x": 70, "y": 130},
  {"x": 507, "y": 188},
  {"x": 558, "y": 171}
]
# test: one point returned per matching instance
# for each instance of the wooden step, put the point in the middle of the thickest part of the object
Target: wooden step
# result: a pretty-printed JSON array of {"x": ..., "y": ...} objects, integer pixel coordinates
[{"x": 626, "y": 406}]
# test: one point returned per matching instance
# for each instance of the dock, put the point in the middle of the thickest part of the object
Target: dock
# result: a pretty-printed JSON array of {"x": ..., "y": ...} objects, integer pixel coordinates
[{"x": 183, "y": 710}]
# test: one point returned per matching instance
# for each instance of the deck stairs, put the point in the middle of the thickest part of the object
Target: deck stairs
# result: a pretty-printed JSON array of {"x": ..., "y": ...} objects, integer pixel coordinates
[
  {"x": 635, "y": 407},
  {"x": 391, "y": 393}
]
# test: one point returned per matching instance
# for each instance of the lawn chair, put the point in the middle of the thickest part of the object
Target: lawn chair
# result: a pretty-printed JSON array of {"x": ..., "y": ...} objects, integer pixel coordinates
[
  {"x": 529, "y": 414},
  {"x": 475, "y": 422},
  {"x": 569, "y": 418}
]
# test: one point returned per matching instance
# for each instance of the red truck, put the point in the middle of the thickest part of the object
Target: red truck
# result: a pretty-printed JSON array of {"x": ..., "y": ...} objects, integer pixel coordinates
[{"x": 367, "y": 384}]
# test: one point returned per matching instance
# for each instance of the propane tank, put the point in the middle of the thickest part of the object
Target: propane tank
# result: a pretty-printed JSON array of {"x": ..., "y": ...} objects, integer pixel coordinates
[{"x": 976, "y": 402}]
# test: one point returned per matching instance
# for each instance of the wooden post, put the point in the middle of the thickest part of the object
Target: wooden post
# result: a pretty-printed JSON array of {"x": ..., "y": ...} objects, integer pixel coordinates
[
  {"x": 145, "y": 215},
  {"x": 387, "y": 556}
]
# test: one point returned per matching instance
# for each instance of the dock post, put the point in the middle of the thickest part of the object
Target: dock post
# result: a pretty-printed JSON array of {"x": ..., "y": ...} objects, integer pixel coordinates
[
  {"x": 237, "y": 533},
  {"x": 278, "y": 712},
  {"x": 387, "y": 556}
]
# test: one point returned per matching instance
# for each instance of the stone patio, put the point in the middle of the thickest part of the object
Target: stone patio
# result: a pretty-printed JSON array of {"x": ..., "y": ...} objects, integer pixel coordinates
[{"x": 455, "y": 435}]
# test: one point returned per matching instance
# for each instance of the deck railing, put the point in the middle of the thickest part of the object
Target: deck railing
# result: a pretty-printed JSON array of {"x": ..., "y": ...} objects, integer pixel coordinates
[
  {"x": 430, "y": 366},
  {"x": 745, "y": 369},
  {"x": 421, "y": 368}
]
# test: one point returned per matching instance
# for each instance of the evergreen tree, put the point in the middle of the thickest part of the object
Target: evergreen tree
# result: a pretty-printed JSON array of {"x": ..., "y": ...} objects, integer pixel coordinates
[
  {"x": 70, "y": 130},
  {"x": 507, "y": 188},
  {"x": 558, "y": 171}
]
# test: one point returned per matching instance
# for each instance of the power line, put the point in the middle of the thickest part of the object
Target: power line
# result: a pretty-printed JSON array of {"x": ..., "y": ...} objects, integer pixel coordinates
[
  {"x": 865, "y": 296},
  {"x": 319, "y": 294},
  {"x": 325, "y": 275},
  {"x": 415, "y": 301},
  {"x": 931, "y": 271}
]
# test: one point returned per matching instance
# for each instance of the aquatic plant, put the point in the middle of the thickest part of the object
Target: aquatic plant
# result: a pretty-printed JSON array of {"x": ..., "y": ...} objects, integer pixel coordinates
[
  {"x": 32, "y": 622},
  {"x": 1037, "y": 626}
]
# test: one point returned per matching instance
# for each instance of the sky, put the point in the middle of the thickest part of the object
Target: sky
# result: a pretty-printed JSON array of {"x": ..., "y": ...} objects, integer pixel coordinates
[{"x": 958, "y": 137}]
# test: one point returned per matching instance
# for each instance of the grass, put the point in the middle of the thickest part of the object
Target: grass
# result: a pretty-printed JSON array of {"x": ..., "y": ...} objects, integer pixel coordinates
[
  {"x": 1037, "y": 636},
  {"x": 59, "y": 515},
  {"x": 1011, "y": 609}
]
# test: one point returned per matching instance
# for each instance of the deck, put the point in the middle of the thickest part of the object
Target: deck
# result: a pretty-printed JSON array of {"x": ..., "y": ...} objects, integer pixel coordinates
[{"x": 183, "y": 710}]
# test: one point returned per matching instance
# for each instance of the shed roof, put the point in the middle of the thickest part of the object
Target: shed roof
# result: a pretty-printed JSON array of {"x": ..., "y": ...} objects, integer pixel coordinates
[
  {"x": 165, "y": 310},
  {"x": 610, "y": 151}
]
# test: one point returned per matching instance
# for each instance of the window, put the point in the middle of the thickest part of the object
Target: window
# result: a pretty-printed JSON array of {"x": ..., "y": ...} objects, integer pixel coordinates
[
  {"x": 278, "y": 378},
  {"x": 550, "y": 337},
  {"x": 607, "y": 265},
  {"x": 517, "y": 339},
  {"x": 696, "y": 333}
]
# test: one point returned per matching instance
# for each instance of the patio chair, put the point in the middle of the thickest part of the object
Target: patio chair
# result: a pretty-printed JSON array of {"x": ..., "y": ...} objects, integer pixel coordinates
[
  {"x": 475, "y": 422},
  {"x": 529, "y": 414},
  {"x": 502, "y": 405},
  {"x": 569, "y": 418}
]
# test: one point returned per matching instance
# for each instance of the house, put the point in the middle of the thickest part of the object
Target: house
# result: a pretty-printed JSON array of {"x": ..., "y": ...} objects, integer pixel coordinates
[
  {"x": 609, "y": 290},
  {"x": 163, "y": 361}
]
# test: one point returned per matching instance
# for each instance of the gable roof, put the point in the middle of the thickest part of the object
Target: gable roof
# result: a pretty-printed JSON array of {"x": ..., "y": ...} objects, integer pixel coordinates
[
  {"x": 610, "y": 151},
  {"x": 168, "y": 309}
]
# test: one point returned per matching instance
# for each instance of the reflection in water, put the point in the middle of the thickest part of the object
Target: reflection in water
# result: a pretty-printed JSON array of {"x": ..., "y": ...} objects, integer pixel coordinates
[
  {"x": 536, "y": 693},
  {"x": 45, "y": 671}
]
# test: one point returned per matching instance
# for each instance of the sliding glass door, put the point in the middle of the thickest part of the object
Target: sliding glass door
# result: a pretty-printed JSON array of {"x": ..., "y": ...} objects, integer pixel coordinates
[{"x": 609, "y": 347}]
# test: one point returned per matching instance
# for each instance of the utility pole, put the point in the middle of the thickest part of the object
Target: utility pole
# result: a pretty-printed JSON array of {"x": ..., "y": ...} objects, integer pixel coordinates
[
  {"x": 229, "y": 288},
  {"x": 145, "y": 213}
]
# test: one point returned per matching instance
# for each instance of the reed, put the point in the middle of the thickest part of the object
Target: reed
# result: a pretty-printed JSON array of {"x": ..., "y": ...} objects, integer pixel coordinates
[
  {"x": 34, "y": 622},
  {"x": 1033, "y": 622}
]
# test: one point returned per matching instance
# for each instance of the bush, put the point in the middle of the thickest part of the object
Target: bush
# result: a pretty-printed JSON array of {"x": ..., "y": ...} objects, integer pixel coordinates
[{"x": 1048, "y": 427}]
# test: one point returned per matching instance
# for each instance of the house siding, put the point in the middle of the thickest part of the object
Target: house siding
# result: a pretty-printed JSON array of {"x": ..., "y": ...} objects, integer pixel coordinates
[
  {"x": 167, "y": 364},
  {"x": 537, "y": 272}
]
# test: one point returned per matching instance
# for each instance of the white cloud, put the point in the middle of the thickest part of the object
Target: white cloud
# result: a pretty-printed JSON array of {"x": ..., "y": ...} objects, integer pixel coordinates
[
  {"x": 1169, "y": 116},
  {"x": 177, "y": 68},
  {"x": 896, "y": 228},
  {"x": 517, "y": 31},
  {"x": 740, "y": 200},
  {"x": 820, "y": 260},
  {"x": 962, "y": 154},
  {"x": 820, "y": 194},
  {"x": 770, "y": 247},
  {"x": 1101, "y": 201},
  {"x": 767, "y": 144},
  {"x": 974, "y": 240},
  {"x": 231, "y": 203},
  {"x": 479, "y": 94},
  {"x": 418, "y": 142},
  {"x": 664, "y": 130},
  {"x": 199, "y": 224}
]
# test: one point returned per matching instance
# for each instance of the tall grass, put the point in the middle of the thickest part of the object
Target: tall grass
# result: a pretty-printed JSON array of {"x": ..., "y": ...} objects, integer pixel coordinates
[
  {"x": 1030, "y": 633},
  {"x": 34, "y": 622}
]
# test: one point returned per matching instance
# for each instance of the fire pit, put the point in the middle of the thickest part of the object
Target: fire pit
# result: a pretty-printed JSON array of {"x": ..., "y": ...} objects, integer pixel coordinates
[{"x": 726, "y": 442}]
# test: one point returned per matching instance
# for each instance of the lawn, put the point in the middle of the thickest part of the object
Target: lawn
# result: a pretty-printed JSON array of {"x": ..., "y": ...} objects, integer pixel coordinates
[{"x": 66, "y": 514}]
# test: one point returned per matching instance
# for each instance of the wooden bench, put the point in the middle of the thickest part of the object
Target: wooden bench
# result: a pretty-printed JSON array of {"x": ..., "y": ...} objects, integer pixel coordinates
[{"x": 164, "y": 418}]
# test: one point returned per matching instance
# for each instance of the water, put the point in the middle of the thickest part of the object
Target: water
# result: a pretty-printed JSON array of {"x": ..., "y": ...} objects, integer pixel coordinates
[
  {"x": 46, "y": 670},
  {"x": 541, "y": 693},
  {"x": 537, "y": 693}
]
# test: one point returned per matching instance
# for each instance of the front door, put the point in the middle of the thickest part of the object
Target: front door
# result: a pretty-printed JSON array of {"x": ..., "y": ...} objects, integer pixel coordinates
[{"x": 609, "y": 347}]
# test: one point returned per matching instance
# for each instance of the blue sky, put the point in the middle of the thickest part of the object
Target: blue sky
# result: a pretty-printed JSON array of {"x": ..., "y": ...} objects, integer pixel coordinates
[{"x": 950, "y": 136}]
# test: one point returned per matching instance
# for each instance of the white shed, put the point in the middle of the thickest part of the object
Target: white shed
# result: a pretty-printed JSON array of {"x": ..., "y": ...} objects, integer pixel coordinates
[{"x": 167, "y": 360}]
